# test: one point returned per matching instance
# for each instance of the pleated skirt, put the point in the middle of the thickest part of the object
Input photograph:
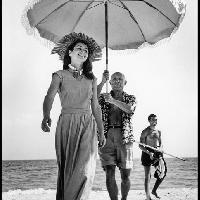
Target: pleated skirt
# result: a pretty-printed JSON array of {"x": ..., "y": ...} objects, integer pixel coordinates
[{"x": 76, "y": 151}]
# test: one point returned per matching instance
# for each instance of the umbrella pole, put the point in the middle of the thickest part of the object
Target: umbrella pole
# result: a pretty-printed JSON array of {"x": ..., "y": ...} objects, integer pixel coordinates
[
  {"x": 145, "y": 145},
  {"x": 106, "y": 38}
]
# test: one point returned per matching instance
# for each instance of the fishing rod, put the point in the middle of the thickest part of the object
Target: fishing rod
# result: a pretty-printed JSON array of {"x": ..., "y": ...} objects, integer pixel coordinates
[{"x": 145, "y": 145}]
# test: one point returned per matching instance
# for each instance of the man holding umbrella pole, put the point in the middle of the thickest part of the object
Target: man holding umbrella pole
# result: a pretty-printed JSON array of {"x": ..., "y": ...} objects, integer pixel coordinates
[{"x": 117, "y": 110}]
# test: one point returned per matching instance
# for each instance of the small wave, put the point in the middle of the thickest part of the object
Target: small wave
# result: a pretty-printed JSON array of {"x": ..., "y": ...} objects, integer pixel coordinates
[{"x": 33, "y": 194}]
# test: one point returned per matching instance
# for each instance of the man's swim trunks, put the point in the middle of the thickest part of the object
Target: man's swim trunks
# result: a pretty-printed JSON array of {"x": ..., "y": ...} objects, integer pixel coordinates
[
  {"x": 158, "y": 162},
  {"x": 146, "y": 160}
]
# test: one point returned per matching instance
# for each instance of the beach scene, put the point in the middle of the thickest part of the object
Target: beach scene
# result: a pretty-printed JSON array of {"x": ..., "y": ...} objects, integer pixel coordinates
[
  {"x": 36, "y": 179},
  {"x": 163, "y": 77}
]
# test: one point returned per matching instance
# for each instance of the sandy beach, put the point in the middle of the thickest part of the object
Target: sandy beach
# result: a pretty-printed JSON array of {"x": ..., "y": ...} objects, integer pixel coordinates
[{"x": 165, "y": 194}]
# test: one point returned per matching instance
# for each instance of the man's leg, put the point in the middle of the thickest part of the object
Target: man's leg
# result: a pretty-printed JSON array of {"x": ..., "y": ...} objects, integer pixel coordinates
[
  {"x": 111, "y": 182},
  {"x": 157, "y": 183},
  {"x": 147, "y": 171},
  {"x": 125, "y": 184}
]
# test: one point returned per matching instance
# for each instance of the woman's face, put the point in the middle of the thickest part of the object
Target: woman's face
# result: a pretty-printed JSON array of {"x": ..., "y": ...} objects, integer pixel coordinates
[{"x": 79, "y": 53}]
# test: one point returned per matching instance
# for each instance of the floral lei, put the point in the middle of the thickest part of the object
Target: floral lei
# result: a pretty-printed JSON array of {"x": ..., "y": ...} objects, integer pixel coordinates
[{"x": 127, "y": 127}]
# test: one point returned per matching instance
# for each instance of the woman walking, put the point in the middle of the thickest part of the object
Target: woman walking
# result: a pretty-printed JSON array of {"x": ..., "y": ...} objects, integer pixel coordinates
[{"x": 80, "y": 118}]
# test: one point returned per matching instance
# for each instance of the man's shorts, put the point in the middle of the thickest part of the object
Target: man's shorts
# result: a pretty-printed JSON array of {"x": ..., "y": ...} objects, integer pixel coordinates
[
  {"x": 145, "y": 158},
  {"x": 115, "y": 152}
]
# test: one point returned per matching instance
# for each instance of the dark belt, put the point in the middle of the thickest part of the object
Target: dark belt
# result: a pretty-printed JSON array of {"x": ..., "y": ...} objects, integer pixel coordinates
[{"x": 114, "y": 126}]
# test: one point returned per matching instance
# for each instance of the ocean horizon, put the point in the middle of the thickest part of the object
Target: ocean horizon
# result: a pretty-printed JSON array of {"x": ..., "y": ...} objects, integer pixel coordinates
[
  {"x": 35, "y": 159},
  {"x": 42, "y": 174}
]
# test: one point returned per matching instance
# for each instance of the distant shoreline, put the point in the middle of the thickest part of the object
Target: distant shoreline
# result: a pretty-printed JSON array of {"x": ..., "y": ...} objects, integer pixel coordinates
[{"x": 97, "y": 159}]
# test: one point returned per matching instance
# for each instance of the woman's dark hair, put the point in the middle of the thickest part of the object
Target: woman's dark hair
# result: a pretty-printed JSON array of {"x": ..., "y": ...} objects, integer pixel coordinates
[{"x": 87, "y": 65}]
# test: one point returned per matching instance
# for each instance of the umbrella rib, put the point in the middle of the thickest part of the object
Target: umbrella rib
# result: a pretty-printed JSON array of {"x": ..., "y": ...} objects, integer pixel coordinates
[
  {"x": 95, "y": 5},
  {"x": 150, "y": 5},
  {"x": 88, "y": 1},
  {"x": 66, "y": 3},
  {"x": 132, "y": 17},
  {"x": 116, "y": 5},
  {"x": 52, "y": 12},
  {"x": 81, "y": 15}
]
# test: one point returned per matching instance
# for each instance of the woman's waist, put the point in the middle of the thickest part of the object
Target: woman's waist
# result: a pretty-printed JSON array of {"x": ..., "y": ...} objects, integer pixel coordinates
[{"x": 70, "y": 110}]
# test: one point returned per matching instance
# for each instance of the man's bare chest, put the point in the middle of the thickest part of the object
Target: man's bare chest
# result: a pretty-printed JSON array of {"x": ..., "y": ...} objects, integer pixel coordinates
[{"x": 152, "y": 135}]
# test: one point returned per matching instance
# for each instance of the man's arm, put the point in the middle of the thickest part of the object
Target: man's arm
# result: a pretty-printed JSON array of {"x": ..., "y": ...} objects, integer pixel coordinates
[
  {"x": 142, "y": 140},
  {"x": 160, "y": 142},
  {"x": 99, "y": 88},
  {"x": 128, "y": 108},
  {"x": 105, "y": 77}
]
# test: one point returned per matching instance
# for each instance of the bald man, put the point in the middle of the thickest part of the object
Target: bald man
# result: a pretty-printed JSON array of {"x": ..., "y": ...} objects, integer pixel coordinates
[{"x": 117, "y": 110}]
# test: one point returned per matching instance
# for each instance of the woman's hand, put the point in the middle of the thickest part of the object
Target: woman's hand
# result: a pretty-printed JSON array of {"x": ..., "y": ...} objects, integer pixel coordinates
[
  {"x": 46, "y": 124},
  {"x": 102, "y": 140}
]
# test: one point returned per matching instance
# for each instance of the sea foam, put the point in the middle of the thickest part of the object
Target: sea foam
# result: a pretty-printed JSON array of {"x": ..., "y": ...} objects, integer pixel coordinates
[
  {"x": 42, "y": 194},
  {"x": 32, "y": 194}
]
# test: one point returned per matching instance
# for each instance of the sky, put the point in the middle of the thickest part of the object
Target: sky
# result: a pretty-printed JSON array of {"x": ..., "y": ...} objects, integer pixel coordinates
[{"x": 163, "y": 78}]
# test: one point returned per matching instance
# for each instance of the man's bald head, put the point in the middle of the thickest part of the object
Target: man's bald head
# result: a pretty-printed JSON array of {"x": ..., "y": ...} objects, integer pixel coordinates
[
  {"x": 118, "y": 74},
  {"x": 118, "y": 81}
]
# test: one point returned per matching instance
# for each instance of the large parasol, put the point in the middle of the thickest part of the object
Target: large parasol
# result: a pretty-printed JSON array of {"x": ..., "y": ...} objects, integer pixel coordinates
[{"x": 114, "y": 24}]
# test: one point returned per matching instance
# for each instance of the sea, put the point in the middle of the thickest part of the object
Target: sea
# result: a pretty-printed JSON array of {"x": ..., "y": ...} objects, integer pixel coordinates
[{"x": 42, "y": 174}]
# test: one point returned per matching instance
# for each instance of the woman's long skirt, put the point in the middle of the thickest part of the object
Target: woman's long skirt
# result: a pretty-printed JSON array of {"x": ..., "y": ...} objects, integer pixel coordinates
[{"x": 76, "y": 150}]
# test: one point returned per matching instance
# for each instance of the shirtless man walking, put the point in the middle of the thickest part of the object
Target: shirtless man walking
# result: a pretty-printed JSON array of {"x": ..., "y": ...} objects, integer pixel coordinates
[{"x": 152, "y": 137}]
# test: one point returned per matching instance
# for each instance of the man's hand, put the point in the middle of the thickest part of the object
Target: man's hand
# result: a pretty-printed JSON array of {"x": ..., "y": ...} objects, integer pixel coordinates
[
  {"x": 102, "y": 140},
  {"x": 108, "y": 98},
  {"x": 151, "y": 155},
  {"x": 105, "y": 76},
  {"x": 46, "y": 124}
]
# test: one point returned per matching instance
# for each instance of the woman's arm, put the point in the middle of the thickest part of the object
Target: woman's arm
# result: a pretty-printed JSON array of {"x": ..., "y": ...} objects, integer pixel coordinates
[
  {"x": 48, "y": 102},
  {"x": 96, "y": 111}
]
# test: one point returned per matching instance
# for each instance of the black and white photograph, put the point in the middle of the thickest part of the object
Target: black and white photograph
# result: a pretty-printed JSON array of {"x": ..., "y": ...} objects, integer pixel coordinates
[{"x": 99, "y": 100}]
